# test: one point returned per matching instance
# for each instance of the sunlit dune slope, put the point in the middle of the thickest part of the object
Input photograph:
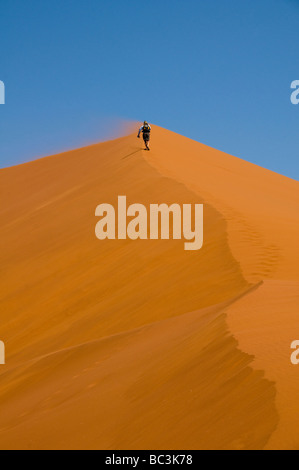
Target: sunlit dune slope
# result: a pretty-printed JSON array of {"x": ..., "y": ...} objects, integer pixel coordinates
[
  {"x": 261, "y": 210},
  {"x": 121, "y": 344}
]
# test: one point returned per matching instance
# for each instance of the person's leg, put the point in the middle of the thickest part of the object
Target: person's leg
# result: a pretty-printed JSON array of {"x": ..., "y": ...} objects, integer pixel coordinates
[{"x": 146, "y": 141}]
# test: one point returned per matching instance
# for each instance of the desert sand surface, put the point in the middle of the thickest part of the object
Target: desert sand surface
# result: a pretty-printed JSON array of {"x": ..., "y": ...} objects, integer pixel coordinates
[{"x": 123, "y": 344}]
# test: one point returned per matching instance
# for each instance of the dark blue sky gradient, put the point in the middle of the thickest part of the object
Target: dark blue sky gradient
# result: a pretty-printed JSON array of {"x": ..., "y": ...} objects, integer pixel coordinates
[{"x": 216, "y": 71}]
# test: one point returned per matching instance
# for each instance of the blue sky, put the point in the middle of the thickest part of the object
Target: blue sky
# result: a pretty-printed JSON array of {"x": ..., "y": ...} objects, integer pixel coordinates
[{"x": 216, "y": 71}]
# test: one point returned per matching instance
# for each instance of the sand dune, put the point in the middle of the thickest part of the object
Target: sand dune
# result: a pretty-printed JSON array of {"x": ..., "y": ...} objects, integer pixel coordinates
[{"x": 122, "y": 344}]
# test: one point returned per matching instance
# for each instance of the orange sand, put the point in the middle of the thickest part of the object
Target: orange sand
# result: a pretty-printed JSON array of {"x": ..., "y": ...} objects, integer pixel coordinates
[{"x": 139, "y": 344}]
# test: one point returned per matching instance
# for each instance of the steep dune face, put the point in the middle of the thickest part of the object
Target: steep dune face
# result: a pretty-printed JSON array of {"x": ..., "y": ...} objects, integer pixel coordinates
[
  {"x": 140, "y": 344},
  {"x": 260, "y": 207},
  {"x": 261, "y": 212}
]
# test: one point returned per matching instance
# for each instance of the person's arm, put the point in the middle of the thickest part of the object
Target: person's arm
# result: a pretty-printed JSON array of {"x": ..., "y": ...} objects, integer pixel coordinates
[{"x": 139, "y": 131}]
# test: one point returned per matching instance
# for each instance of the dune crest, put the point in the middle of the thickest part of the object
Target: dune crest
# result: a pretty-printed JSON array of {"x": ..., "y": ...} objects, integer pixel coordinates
[{"x": 131, "y": 344}]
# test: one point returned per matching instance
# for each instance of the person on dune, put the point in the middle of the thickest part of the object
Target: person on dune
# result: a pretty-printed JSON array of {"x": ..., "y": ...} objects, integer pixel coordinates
[{"x": 146, "y": 131}]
